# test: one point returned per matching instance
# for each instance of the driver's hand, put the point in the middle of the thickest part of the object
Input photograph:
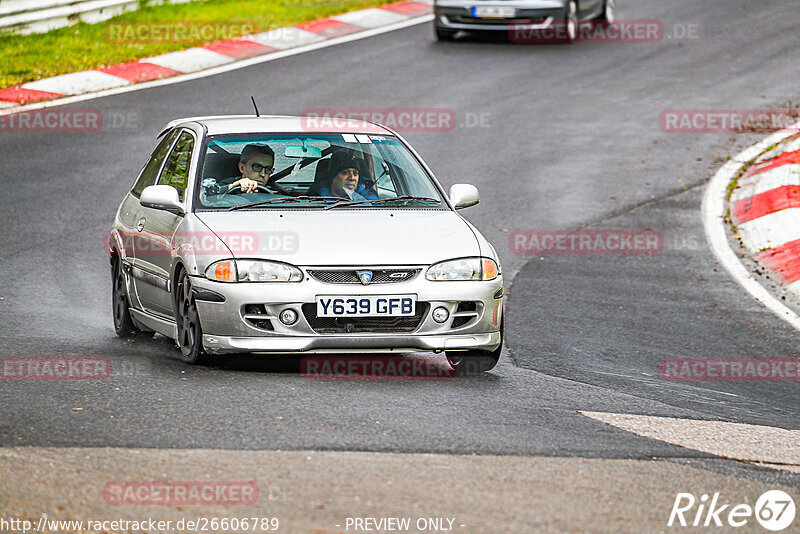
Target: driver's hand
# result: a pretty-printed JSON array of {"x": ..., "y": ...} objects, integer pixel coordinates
[{"x": 247, "y": 185}]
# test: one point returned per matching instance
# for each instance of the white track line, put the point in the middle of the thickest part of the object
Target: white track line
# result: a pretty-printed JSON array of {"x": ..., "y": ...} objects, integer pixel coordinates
[
  {"x": 77, "y": 82},
  {"x": 713, "y": 213},
  {"x": 370, "y": 18},
  {"x": 750, "y": 443},
  {"x": 284, "y": 38},
  {"x": 189, "y": 60},
  {"x": 222, "y": 68}
]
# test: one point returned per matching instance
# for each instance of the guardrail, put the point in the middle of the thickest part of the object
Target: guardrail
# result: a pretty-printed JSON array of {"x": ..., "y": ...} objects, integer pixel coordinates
[{"x": 39, "y": 16}]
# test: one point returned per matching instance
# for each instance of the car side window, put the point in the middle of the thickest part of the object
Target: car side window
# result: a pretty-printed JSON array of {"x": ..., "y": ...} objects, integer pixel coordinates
[
  {"x": 150, "y": 171},
  {"x": 382, "y": 175},
  {"x": 176, "y": 170},
  {"x": 385, "y": 185}
]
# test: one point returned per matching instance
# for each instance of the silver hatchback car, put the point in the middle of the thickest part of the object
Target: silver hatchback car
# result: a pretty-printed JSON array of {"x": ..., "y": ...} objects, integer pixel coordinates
[
  {"x": 558, "y": 20},
  {"x": 276, "y": 235}
]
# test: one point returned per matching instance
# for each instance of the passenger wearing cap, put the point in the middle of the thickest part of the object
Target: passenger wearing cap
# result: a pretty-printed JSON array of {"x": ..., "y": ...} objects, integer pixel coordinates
[
  {"x": 256, "y": 165},
  {"x": 343, "y": 170}
]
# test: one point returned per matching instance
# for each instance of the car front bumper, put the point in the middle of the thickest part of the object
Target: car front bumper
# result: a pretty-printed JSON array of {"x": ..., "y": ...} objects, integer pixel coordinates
[
  {"x": 456, "y": 15},
  {"x": 228, "y": 327},
  {"x": 350, "y": 344}
]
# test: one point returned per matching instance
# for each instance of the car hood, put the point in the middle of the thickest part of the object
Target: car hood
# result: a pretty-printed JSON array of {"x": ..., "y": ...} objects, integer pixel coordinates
[{"x": 344, "y": 237}]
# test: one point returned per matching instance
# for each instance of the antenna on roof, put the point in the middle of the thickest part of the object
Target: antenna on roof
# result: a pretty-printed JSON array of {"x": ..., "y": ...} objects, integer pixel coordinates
[{"x": 254, "y": 105}]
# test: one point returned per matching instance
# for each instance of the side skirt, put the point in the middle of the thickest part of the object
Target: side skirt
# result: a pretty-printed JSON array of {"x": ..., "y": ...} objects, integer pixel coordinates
[{"x": 162, "y": 326}]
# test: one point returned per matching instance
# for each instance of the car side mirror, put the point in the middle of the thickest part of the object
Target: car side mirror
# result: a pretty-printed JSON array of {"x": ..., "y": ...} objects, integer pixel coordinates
[
  {"x": 162, "y": 197},
  {"x": 464, "y": 195}
]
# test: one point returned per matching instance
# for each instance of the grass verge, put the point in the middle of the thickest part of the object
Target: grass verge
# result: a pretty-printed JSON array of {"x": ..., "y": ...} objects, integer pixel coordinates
[{"x": 25, "y": 58}]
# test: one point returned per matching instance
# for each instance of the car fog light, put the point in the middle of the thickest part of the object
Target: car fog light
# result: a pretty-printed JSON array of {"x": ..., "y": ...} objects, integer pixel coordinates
[
  {"x": 440, "y": 314},
  {"x": 288, "y": 316}
]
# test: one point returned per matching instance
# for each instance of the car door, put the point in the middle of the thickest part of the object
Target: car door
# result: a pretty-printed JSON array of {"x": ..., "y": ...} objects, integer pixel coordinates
[
  {"x": 130, "y": 213},
  {"x": 157, "y": 228}
]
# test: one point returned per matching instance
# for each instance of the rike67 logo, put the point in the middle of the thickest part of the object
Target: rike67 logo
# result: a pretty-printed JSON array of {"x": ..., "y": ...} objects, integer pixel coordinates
[{"x": 774, "y": 510}]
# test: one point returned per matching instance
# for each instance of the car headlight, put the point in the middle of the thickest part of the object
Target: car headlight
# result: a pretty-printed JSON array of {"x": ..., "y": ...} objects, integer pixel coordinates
[
  {"x": 253, "y": 271},
  {"x": 463, "y": 269}
]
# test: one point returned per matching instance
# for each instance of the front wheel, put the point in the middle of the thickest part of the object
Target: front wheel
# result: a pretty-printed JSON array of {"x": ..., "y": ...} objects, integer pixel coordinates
[
  {"x": 571, "y": 21},
  {"x": 475, "y": 362},
  {"x": 609, "y": 14},
  {"x": 444, "y": 35},
  {"x": 123, "y": 323},
  {"x": 190, "y": 333}
]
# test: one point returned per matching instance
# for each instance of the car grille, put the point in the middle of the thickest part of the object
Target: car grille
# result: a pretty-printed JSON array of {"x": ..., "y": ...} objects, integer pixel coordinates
[
  {"x": 256, "y": 315},
  {"x": 349, "y": 276},
  {"x": 378, "y": 325},
  {"x": 466, "y": 312},
  {"x": 465, "y": 19}
]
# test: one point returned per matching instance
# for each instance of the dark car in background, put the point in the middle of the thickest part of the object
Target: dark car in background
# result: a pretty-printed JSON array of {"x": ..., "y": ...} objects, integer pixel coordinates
[{"x": 557, "y": 18}]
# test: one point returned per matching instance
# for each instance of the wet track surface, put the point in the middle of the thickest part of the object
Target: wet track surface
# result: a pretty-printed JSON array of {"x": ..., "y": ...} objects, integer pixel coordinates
[{"x": 570, "y": 139}]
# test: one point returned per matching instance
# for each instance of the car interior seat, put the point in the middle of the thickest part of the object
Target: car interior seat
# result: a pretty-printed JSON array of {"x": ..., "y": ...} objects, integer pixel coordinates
[
  {"x": 364, "y": 176},
  {"x": 321, "y": 178},
  {"x": 221, "y": 165}
]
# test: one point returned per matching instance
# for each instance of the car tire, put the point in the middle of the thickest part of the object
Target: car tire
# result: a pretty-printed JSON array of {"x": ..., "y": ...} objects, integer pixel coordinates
[
  {"x": 123, "y": 322},
  {"x": 190, "y": 333},
  {"x": 444, "y": 35},
  {"x": 609, "y": 14},
  {"x": 571, "y": 25},
  {"x": 475, "y": 362}
]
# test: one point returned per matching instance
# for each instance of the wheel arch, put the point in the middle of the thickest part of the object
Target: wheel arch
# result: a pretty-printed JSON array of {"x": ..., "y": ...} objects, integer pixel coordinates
[
  {"x": 178, "y": 268},
  {"x": 114, "y": 246}
]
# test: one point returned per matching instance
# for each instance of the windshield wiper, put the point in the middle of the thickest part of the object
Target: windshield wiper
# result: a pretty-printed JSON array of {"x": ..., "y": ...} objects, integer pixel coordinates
[
  {"x": 345, "y": 202},
  {"x": 284, "y": 200}
]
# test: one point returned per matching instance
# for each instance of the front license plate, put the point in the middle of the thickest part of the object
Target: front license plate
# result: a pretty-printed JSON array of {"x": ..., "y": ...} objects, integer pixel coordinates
[
  {"x": 366, "y": 306},
  {"x": 493, "y": 12}
]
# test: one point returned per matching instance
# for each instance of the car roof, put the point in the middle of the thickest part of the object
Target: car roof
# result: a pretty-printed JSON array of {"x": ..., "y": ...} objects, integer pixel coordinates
[{"x": 244, "y": 124}]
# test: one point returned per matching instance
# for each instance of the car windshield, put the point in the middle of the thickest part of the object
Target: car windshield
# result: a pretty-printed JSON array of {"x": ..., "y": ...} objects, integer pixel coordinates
[{"x": 334, "y": 171}]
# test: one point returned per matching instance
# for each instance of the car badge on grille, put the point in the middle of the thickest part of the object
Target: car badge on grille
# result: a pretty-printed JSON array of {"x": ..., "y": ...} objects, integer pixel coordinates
[
  {"x": 365, "y": 277},
  {"x": 400, "y": 274}
]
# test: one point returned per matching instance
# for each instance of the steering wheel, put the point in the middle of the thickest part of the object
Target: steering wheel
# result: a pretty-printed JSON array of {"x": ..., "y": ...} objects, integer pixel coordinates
[
  {"x": 239, "y": 187},
  {"x": 282, "y": 190}
]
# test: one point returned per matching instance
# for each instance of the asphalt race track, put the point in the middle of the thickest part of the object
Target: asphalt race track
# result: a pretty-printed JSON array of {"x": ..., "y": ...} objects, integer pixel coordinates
[{"x": 555, "y": 138}]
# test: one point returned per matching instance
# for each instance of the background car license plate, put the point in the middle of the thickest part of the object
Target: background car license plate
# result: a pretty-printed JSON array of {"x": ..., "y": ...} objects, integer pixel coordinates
[
  {"x": 493, "y": 12},
  {"x": 366, "y": 306}
]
